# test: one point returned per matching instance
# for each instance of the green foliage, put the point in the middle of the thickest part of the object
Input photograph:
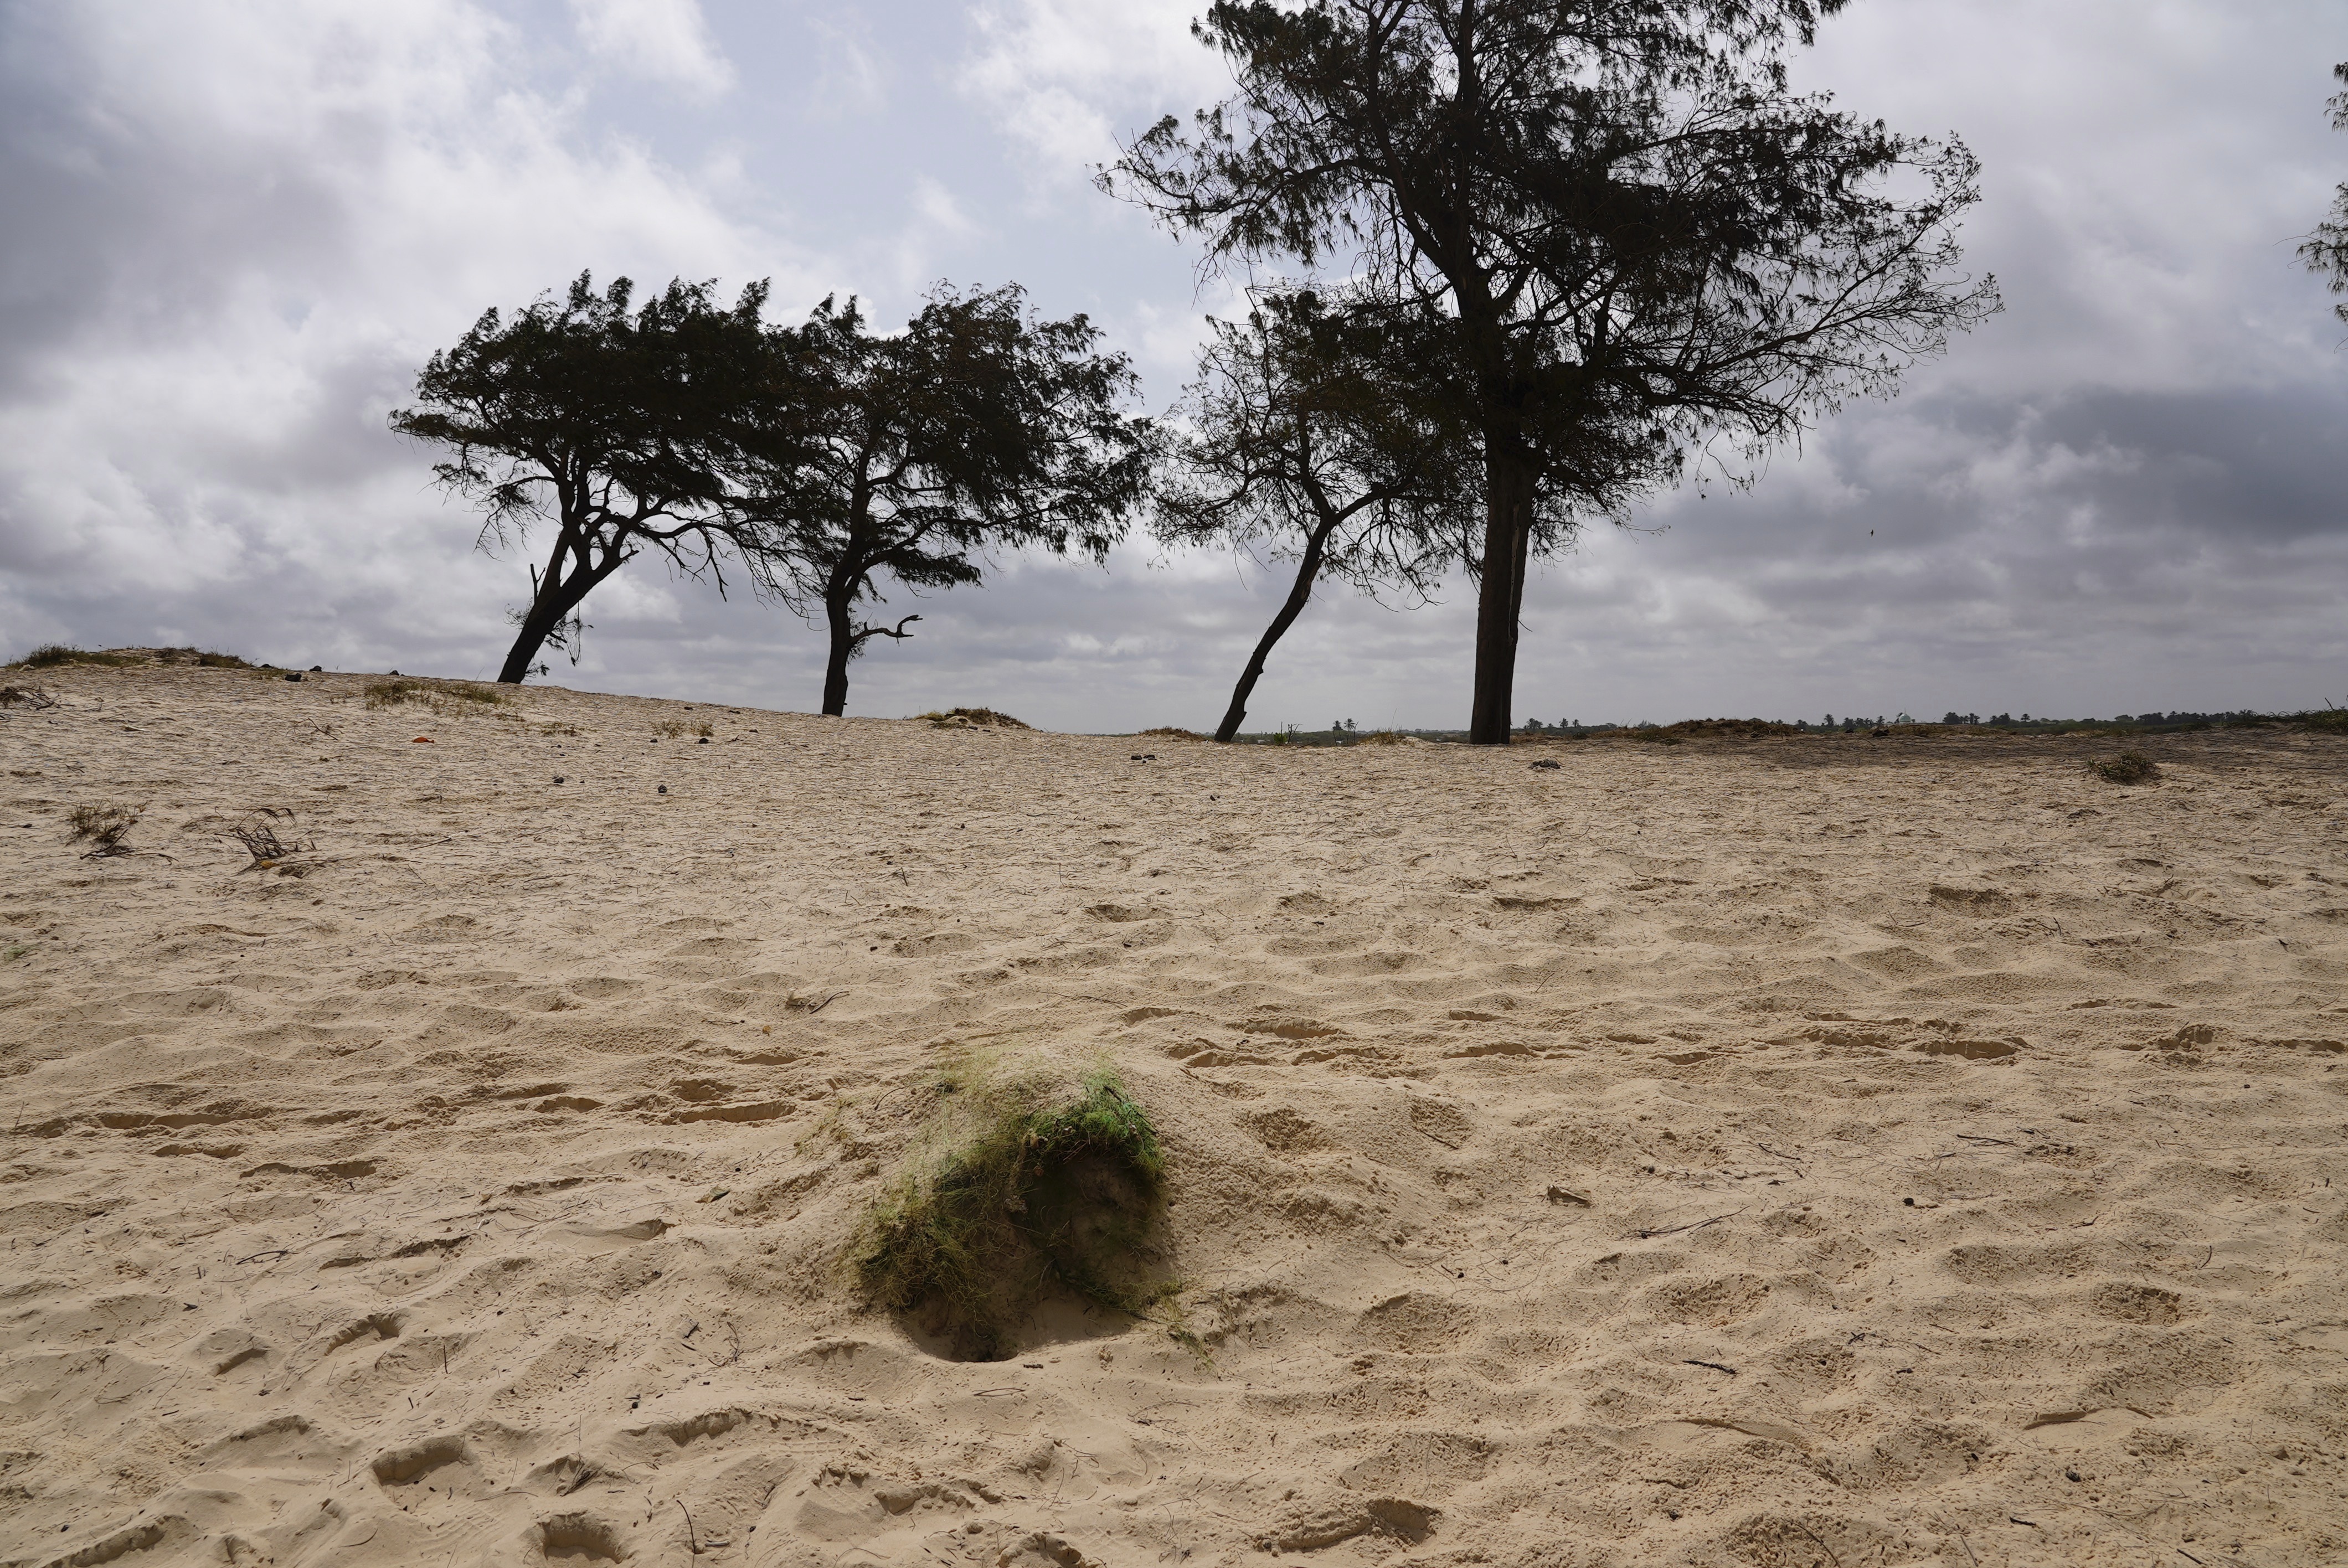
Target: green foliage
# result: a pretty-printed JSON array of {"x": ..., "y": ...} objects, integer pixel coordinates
[
  {"x": 2129, "y": 767},
  {"x": 2327, "y": 721},
  {"x": 1035, "y": 1192}
]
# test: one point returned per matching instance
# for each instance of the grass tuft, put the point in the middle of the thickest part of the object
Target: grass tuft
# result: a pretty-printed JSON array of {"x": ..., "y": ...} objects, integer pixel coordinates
[
  {"x": 1172, "y": 732},
  {"x": 2129, "y": 767},
  {"x": 1037, "y": 1192},
  {"x": 102, "y": 827},
  {"x": 676, "y": 729},
  {"x": 1383, "y": 738}
]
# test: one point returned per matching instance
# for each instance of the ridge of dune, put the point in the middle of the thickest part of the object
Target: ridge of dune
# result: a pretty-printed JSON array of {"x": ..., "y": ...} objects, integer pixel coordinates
[{"x": 1819, "y": 1150}]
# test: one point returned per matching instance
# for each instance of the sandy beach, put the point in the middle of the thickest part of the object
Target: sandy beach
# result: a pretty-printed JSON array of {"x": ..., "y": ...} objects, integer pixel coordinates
[{"x": 1826, "y": 1150}]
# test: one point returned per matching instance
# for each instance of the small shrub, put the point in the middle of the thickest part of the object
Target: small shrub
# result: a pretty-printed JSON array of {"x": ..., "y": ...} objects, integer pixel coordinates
[
  {"x": 2129, "y": 767},
  {"x": 1171, "y": 733},
  {"x": 973, "y": 719},
  {"x": 1383, "y": 738},
  {"x": 673, "y": 729},
  {"x": 2329, "y": 720},
  {"x": 103, "y": 828},
  {"x": 1037, "y": 1192}
]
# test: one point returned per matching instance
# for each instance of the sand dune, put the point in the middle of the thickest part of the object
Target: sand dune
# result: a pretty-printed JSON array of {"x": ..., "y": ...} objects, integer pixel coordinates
[{"x": 1816, "y": 1150}]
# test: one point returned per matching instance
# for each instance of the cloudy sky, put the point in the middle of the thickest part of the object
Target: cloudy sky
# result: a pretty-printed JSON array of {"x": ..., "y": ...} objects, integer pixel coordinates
[{"x": 234, "y": 229}]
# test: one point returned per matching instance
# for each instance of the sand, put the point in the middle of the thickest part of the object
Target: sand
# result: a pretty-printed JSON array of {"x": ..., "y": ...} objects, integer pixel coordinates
[{"x": 1810, "y": 1150}]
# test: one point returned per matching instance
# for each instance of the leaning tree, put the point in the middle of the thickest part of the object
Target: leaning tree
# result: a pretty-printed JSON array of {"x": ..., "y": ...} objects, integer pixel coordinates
[
  {"x": 1627, "y": 224},
  {"x": 1317, "y": 432},
  {"x": 910, "y": 457},
  {"x": 612, "y": 429}
]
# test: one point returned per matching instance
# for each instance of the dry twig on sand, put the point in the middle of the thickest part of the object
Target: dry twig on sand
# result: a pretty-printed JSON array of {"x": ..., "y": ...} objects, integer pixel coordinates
[
  {"x": 258, "y": 834},
  {"x": 26, "y": 696}
]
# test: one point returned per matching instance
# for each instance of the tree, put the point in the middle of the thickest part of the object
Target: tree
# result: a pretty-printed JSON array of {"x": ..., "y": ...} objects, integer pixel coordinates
[
  {"x": 1631, "y": 229},
  {"x": 1314, "y": 431},
  {"x": 2326, "y": 251},
  {"x": 616, "y": 429},
  {"x": 978, "y": 427}
]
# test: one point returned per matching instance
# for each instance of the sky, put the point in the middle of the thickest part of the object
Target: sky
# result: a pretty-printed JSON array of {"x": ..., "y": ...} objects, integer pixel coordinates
[{"x": 235, "y": 229}]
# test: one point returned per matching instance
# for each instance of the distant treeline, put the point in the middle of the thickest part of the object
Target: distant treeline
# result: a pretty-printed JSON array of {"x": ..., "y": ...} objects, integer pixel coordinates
[{"x": 1345, "y": 732}]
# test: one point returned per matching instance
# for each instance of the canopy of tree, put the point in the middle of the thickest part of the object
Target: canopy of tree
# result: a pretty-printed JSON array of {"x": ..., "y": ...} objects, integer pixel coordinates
[
  {"x": 978, "y": 428},
  {"x": 1632, "y": 237},
  {"x": 1321, "y": 436},
  {"x": 615, "y": 428}
]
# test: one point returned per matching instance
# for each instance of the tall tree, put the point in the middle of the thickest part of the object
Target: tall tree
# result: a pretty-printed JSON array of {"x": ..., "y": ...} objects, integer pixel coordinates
[
  {"x": 2326, "y": 250},
  {"x": 1629, "y": 225},
  {"x": 1316, "y": 432},
  {"x": 978, "y": 427},
  {"x": 615, "y": 428}
]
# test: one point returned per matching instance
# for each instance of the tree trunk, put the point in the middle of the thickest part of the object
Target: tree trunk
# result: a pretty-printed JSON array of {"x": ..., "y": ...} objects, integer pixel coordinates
[
  {"x": 1308, "y": 569},
  {"x": 556, "y": 597},
  {"x": 1499, "y": 604},
  {"x": 839, "y": 611}
]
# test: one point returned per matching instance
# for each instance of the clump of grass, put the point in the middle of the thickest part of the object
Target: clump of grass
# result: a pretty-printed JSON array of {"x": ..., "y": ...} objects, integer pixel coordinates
[
  {"x": 1172, "y": 732},
  {"x": 103, "y": 828},
  {"x": 441, "y": 696},
  {"x": 2129, "y": 767},
  {"x": 1383, "y": 738},
  {"x": 973, "y": 719},
  {"x": 1037, "y": 1192},
  {"x": 673, "y": 729},
  {"x": 51, "y": 655},
  {"x": 26, "y": 696},
  {"x": 2330, "y": 721}
]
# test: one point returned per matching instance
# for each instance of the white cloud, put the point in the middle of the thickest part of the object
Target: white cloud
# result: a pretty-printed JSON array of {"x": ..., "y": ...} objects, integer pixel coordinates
[
  {"x": 1070, "y": 76},
  {"x": 660, "y": 40},
  {"x": 258, "y": 220}
]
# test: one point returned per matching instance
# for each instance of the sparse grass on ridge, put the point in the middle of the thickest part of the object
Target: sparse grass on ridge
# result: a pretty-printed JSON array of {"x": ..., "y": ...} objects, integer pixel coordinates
[
  {"x": 441, "y": 696},
  {"x": 1036, "y": 1189},
  {"x": 973, "y": 719},
  {"x": 52, "y": 655}
]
